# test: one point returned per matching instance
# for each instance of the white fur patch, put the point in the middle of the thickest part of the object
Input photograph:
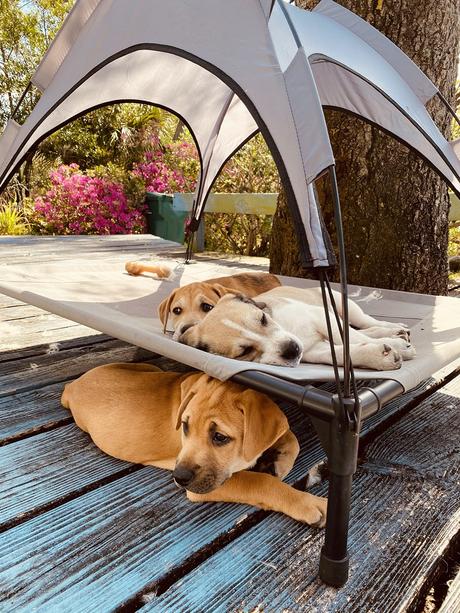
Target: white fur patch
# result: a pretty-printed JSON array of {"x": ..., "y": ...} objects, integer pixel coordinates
[{"x": 246, "y": 333}]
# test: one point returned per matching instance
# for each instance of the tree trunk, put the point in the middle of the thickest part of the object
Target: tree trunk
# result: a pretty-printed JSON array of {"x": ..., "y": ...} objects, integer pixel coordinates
[{"x": 394, "y": 207}]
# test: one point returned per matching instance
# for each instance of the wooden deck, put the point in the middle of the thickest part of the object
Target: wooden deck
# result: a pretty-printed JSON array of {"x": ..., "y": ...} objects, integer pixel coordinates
[{"x": 83, "y": 532}]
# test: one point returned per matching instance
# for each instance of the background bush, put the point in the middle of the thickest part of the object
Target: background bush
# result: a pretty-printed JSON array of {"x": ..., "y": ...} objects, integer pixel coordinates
[{"x": 78, "y": 203}]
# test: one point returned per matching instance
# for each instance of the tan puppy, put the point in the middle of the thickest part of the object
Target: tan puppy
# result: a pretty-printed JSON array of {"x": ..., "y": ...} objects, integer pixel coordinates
[
  {"x": 206, "y": 431},
  {"x": 188, "y": 305}
]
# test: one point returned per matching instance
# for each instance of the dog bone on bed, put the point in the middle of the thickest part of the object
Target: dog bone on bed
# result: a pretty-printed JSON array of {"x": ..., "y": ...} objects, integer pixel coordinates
[{"x": 137, "y": 268}]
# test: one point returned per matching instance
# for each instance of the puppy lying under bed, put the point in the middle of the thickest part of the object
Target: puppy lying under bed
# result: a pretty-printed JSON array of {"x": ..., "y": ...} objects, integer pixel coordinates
[{"x": 206, "y": 431}]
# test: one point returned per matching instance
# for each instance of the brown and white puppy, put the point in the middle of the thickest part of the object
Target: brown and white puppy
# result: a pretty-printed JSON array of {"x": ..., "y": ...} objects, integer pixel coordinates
[
  {"x": 188, "y": 305},
  {"x": 282, "y": 330},
  {"x": 206, "y": 431}
]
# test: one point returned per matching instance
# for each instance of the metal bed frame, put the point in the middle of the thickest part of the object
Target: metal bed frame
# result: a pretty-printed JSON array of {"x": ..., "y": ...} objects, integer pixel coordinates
[{"x": 337, "y": 424}]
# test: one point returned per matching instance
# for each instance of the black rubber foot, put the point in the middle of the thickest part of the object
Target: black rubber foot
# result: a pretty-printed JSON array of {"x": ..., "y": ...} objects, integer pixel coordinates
[{"x": 333, "y": 572}]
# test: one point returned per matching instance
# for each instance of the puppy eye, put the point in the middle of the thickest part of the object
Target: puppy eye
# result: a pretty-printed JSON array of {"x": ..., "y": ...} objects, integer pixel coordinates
[
  {"x": 177, "y": 310},
  {"x": 220, "y": 439},
  {"x": 246, "y": 351},
  {"x": 263, "y": 320},
  {"x": 185, "y": 427},
  {"x": 206, "y": 307}
]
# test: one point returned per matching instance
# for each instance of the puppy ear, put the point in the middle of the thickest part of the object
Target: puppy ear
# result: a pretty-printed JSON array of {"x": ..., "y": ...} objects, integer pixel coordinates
[
  {"x": 248, "y": 300},
  {"x": 219, "y": 289},
  {"x": 164, "y": 308},
  {"x": 264, "y": 423},
  {"x": 183, "y": 405},
  {"x": 189, "y": 387}
]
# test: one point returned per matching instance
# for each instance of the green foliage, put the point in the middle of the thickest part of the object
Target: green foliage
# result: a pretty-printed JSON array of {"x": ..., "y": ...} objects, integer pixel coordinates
[
  {"x": 251, "y": 170},
  {"x": 454, "y": 241},
  {"x": 27, "y": 29},
  {"x": 109, "y": 142},
  {"x": 41, "y": 168},
  {"x": 115, "y": 134},
  {"x": 12, "y": 220},
  {"x": 236, "y": 233}
]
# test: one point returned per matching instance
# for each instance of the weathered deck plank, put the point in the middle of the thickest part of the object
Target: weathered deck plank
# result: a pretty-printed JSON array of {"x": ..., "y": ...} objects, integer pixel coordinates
[
  {"x": 41, "y": 470},
  {"x": 55, "y": 345},
  {"x": 39, "y": 409},
  {"x": 26, "y": 374},
  {"x": 426, "y": 442},
  {"x": 26, "y": 325},
  {"x": 27, "y": 412},
  {"x": 273, "y": 567},
  {"x": 262, "y": 546},
  {"x": 46, "y": 248},
  {"x": 141, "y": 527},
  {"x": 46, "y": 467},
  {"x": 17, "y": 311},
  {"x": 91, "y": 553}
]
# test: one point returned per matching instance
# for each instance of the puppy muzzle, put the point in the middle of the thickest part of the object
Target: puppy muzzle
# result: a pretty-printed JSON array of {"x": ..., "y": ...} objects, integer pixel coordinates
[
  {"x": 179, "y": 332},
  {"x": 200, "y": 482},
  {"x": 291, "y": 351}
]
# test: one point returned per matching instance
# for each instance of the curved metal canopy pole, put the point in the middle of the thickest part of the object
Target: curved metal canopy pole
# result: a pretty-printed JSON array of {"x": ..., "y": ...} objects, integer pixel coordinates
[
  {"x": 343, "y": 281},
  {"x": 449, "y": 107}
]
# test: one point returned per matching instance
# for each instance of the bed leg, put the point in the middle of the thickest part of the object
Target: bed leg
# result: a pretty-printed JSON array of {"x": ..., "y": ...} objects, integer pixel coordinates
[
  {"x": 334, "y": 561},
  {"x": 342, "y": 451}
]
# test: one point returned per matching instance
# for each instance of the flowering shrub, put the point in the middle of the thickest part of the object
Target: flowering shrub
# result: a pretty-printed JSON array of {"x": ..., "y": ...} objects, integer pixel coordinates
[
  {"x": 81, "y": 204},
  {"x": 169, "y": 171}
]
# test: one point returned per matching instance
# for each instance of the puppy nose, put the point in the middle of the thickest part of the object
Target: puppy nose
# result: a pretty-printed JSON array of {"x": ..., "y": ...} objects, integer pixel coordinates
[
  {"x": 183, "y": 475},
  {"x": 290, "y": 350}
]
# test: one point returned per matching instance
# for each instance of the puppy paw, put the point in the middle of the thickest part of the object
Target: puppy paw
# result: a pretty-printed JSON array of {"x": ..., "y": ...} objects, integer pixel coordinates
[
  {"x": 314, "y": 511},
  {"x": 409, "y": 352},
  {"x": 403, "y": 333},
  {"x": 398, "y": 330},
  {"x": 391, "y": 358},
  {"x": 390, "y": 331},
  {"x": 379, "y": 356},
  {"x": 405, "y": 348}
]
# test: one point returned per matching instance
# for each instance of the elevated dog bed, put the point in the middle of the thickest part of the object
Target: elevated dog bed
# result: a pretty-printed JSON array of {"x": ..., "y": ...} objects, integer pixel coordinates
[{"x": 98, "y": 293}]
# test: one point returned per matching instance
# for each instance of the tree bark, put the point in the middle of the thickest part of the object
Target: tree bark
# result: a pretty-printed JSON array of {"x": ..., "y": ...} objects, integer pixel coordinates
[{"x": 394, "y": 207}]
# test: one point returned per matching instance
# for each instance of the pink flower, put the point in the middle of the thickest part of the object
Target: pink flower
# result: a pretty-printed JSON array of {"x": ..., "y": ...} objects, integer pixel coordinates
[{"x": 80, "y": 204}]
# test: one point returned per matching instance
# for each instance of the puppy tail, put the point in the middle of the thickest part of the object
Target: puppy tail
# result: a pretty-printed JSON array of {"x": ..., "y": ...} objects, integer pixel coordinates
[{"x": 137, "y": 268}]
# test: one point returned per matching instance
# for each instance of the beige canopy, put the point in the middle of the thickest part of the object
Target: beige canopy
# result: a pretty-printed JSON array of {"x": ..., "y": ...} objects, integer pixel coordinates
[{"x": 228, "y": 69}]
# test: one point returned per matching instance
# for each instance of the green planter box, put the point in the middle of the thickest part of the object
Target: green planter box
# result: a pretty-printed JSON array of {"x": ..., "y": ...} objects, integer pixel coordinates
[
  {"x": 167, "y": 220},
  {"x": 162, "y": 219}
]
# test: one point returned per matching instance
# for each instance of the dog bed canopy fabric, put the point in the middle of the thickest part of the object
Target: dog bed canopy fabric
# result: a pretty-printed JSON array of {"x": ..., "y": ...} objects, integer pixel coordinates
[{"x": 229, "y": 69}]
